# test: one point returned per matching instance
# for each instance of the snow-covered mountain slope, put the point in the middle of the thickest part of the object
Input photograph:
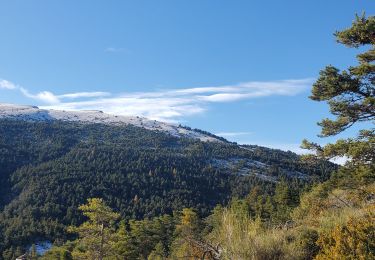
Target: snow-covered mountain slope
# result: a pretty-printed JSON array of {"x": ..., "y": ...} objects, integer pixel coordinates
[
  {"x": 33, "y": 113},
  {"x": 245, "y": 167}
]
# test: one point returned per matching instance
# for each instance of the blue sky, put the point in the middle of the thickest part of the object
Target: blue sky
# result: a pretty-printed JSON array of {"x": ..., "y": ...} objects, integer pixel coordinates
[{"x": 242, "y": 69}]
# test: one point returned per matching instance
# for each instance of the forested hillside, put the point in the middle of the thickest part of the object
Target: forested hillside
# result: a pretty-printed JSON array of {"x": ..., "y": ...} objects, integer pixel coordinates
[
  {"x": 103, "y": 187},
  {"x": 333, "y": 219},
  {"x": 50, "y": 168}
]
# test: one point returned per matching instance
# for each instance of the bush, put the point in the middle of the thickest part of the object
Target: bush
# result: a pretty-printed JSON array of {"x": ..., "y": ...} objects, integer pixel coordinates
[
  {"x": 241, "y": 237},
  {"x": 354, "y": 240}
]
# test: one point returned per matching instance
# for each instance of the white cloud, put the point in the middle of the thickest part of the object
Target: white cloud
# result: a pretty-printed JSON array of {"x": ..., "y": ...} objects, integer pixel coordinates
[
  {"x": 49, "y": 97},
  {"x": 85, "y": 94},
  {"x": 225, "y": 97},
  {"x": 165, "y": 105},
  {"x": 251, "y": 89},
  {"x": 44, "y": 96},
  {"x": 5, "y": 84},
  {"x": 233, "y": 134}
]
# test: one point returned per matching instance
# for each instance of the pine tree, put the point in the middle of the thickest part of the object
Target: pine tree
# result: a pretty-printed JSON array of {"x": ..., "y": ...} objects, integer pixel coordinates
[
  {"x": 350, "y": 95},
  {"x": 284, "y": 203}
]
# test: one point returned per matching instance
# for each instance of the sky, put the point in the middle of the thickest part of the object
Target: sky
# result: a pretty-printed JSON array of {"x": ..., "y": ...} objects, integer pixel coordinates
[{"x": 240, "y": 69}]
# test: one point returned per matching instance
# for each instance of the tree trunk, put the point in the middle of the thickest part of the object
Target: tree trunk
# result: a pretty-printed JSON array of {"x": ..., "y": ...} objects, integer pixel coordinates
[{"x": 101, "y": 253}]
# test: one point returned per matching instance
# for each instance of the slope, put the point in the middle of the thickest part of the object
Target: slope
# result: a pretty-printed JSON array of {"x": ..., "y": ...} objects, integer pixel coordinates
[{"x": 49, "y": 167}]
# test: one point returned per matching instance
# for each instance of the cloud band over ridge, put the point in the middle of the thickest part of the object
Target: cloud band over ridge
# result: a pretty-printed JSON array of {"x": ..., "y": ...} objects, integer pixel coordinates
[{"x": 165, "y": 105}]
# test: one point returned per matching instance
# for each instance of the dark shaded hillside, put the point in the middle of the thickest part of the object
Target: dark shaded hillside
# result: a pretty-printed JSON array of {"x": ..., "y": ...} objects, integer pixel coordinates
[{"x": 49, "y": 168}]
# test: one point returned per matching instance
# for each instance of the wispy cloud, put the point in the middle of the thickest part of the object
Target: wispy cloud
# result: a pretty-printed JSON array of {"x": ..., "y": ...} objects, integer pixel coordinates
[
  {"x": 4, "y": 84},
  {"x": 44, "y": 96},
  {"x": 50, "y": 98},
  {"x": 84, "y": 95},
  {"x": 116, "y": 50},
  {"x": 233, "y": 134},
  {"x": 166, "y": 105}
]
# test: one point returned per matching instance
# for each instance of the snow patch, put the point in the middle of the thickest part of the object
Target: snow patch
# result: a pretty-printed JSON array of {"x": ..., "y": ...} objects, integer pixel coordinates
[
  {"x": 246, "y": 167},
  {"x": 33, "y": 113}
]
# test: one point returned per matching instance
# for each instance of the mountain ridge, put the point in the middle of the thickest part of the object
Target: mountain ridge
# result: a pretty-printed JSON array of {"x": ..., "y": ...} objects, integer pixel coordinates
[{"x": 34, "y": 113}]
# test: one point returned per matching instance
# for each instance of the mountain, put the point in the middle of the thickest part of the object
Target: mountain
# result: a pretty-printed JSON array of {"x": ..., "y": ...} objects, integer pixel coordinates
[
  {"x": 52, "y": 161},
  {"x": 34, "y": 114}
]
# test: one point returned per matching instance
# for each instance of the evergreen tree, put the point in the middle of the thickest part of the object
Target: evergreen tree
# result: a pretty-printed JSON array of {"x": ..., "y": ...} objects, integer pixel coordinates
[
  {"x": 285, "y": 201},
  {"x": 350, "y": 95},
  {"x": 97, "y": 235}
]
